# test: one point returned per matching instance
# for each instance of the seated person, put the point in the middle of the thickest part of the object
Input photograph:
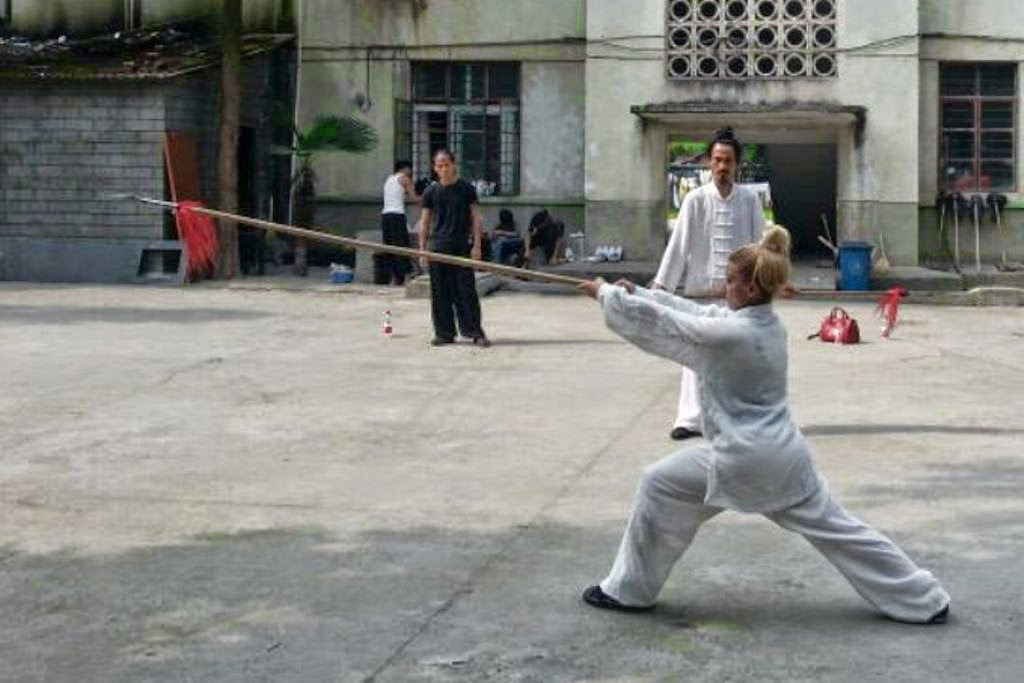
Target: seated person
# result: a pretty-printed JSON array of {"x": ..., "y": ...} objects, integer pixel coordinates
[
  {"x": 544, "y": 239},
  {"x": 507, "y": 244}
]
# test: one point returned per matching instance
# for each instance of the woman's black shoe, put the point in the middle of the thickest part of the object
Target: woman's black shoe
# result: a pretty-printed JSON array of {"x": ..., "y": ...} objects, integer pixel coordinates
[
  {"x": 598, "y": 598},
  {"x": 682, "y": 433}
]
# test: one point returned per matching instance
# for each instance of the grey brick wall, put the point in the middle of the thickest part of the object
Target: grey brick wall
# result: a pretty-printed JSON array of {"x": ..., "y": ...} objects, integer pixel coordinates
[{"x": 63, "y": 145}]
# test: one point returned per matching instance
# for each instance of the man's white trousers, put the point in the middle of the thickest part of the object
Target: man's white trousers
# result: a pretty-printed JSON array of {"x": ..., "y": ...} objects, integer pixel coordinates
[{"x": 688, "y": 414}]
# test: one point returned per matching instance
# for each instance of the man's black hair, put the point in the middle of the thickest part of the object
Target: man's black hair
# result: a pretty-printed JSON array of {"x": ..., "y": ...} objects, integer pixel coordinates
[
  {"x": 443, "y": 150},
  {"x": 725, "y": 136},
  {"x": 402, "y": 164}
]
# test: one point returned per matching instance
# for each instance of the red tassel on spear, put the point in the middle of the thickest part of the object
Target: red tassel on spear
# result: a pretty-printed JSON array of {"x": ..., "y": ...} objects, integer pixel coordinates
[
  {"x": 198, "y": 233},
  {"x": 888, "y": 308}
]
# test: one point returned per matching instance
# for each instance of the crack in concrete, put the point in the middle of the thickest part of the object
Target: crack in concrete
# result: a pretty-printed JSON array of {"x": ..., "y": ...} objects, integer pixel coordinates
[
  {"x": 34, "y": 503},
  {"x": 206, "y": 362},
  {"x": 468, "y": 587}
]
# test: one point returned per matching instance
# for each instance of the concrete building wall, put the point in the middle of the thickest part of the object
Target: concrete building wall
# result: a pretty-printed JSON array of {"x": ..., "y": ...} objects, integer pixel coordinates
[
  {"x": 988, "y": 18},
  {"x": 334, "y": 70},
  {"x": 625, "y": 156},
  {"x": 936, "y": 250},
  {"x": 982, "y": 31},
  {"x": 72, "y": 17},
  {"x": 934, "y": 52},
  {"x": 337, "y": 23},
  {"x": 257, "y": 15},
  {"x": 81, "y": 18},
  {"x": 553, "y": 121}
]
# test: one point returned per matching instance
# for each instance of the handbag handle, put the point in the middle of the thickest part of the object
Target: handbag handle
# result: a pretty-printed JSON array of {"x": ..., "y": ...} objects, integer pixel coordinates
[{"x": 839, "y": 309}]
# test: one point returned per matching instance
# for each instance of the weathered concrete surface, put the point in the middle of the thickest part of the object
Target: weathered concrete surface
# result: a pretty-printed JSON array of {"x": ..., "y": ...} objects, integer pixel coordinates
[{"x": 232, "y": 485}]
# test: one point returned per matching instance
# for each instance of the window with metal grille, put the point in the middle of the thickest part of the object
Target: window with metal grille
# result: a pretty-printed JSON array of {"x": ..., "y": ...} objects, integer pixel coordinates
[
  {"x": 978, "y": 124},
  {"x": 470, "y": 108},
  {"x": 750, "y": 39}
]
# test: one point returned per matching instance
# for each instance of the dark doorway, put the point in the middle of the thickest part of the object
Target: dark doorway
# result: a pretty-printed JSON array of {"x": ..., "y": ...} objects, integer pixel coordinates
[
  {"x": 803, "y": 182},
  {"x": 251, "y": 241}
]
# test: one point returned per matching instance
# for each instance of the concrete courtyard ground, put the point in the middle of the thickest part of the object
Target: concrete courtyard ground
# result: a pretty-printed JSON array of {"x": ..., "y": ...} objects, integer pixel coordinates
[{"x": 215, "y": 485}]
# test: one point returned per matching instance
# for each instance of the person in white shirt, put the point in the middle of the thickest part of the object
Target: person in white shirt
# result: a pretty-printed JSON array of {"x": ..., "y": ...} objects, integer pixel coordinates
[
  {"x": 756, "y": 460},
  {"x": 394, "y": 226},
  {"x": 715, "y": 219}
]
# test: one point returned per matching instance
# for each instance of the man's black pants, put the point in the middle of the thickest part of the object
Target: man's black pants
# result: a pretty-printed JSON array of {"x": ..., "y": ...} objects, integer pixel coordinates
[
  {"x": 454, "y": 287},
  {"x": 396, "y": 233}
]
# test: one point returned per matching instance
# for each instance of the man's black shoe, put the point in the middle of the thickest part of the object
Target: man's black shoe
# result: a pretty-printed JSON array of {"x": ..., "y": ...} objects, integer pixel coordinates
[{"x": 441, "y": 341}]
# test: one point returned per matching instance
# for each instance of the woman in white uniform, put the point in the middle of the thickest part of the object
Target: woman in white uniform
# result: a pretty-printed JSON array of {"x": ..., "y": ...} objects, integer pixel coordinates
[
  {"x": 757, "y": 460},
  {"x": 715, "y": 219}
]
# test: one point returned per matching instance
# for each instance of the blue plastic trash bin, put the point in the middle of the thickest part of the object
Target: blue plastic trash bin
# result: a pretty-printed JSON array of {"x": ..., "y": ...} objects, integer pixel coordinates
[{"x": 855, "y": 266}]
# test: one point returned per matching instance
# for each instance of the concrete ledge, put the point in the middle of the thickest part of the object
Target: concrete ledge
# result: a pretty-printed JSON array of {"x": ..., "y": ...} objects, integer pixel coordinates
[
  {"x": 419, "y": 287},
  {"x": 100, "y": 261},
  {"x": 916, "y": 278},
  {"x": 982, "y": 296},
  {"x": 640, "y": 272},
  {"x": 993, "y": 278}
]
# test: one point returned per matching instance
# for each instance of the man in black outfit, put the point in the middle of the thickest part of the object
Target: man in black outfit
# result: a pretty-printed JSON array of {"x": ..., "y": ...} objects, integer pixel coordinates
[
  {"x": 546, "y": 234},
  {"x": 450, "y": 212}
]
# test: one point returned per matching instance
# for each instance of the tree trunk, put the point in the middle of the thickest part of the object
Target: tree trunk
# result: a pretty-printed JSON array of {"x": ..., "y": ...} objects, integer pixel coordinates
[
  {"x": 303, "y": 214},
  {"x": 227, "y": 136}
]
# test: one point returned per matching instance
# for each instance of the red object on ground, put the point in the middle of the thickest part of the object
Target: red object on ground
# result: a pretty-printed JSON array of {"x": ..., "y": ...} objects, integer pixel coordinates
[
  {"x": 198, "y": 233},
  {"x": 888, "y": 308},
  {"x": 839, "y": 328}
]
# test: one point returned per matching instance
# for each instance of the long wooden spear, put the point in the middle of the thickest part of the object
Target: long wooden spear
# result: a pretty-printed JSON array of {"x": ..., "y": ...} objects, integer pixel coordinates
[{"x": 368, "y": 246}]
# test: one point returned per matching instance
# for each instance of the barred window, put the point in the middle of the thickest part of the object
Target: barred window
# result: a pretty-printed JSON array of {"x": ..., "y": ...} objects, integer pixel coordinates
[
  {"x": 471, "y": 108},
  {"x": 733, "y": 39},
  {"x": 979, "y": 122}
]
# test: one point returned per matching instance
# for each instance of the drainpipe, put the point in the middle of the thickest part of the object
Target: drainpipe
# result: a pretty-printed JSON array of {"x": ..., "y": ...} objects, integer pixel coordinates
[{"x": 298, "y": 91}]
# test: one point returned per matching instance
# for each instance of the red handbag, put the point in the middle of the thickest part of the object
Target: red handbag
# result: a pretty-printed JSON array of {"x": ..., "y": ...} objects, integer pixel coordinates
[{"x": 838, "y": 328}]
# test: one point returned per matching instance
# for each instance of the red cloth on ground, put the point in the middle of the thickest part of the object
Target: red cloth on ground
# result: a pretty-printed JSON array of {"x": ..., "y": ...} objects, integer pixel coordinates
[{"x": 888, "y": 308}]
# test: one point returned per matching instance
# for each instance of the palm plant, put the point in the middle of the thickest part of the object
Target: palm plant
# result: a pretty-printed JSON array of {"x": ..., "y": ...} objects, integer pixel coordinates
[{"x": 328, "y": 133}]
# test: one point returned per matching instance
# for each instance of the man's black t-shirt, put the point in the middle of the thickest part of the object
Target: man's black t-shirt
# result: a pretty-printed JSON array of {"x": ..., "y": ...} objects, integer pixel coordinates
[{"x": 453, "y": 218}]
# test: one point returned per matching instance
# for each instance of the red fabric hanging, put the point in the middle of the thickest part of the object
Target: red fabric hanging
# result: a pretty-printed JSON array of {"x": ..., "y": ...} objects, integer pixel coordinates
[{"x": 199, "y": 234}]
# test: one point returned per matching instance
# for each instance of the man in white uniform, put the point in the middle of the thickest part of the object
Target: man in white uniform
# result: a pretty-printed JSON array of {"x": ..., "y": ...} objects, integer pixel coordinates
[{"x": 715, "y": 219}]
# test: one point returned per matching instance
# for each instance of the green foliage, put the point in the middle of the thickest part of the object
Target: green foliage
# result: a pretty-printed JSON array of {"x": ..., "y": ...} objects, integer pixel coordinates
[
  {"x": 686, "y": 148},
  {"x": 337, "y": 133},
  {"x": 328, "y": 133}
]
